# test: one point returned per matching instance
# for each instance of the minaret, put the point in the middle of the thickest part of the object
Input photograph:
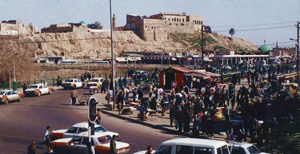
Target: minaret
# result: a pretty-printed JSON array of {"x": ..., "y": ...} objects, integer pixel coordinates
[{"x": 114, "y": 22}]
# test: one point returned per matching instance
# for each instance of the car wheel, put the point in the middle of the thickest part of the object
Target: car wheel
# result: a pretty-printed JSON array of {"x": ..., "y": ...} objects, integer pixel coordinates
[
  {"x": 39, "y": 94},
  {"x": 6, "y": 101}
]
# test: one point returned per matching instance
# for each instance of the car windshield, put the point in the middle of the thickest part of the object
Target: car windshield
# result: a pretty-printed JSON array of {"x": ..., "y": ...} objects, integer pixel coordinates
[
  {"x": 33, "y": 87},
  {"x": 104, "y": 139},
  {"x": 2, "y": 92},
  {"x": 253, "y": 149},
  {"x": 69, "y": 80}
]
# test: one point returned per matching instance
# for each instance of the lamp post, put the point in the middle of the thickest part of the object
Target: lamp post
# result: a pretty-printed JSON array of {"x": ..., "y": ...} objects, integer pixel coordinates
[
  {"x": 112, "y": 54},
  {"x": 297, "y": 51}
]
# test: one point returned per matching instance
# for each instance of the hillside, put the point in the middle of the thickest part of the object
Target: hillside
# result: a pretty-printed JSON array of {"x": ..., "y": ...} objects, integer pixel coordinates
[{"x": 97, "y": 45}]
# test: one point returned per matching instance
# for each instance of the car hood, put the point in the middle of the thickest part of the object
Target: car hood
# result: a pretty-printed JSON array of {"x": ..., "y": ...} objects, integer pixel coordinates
[
  {"x": 65, "y": 140},
  {"x": 119, "y": 145},
  {"x": 59, "y": 131}
]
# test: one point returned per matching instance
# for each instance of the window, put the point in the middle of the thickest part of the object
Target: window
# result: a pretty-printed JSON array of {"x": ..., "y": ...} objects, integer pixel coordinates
[
  {"x": 8, "y": 93},
  {"x": 80, "y": 130},
  {"x": 40, "y": 87},
  {"x": 100, "y": 129},
  {"x": 184, "y": 149},
  {"x": 237, "y": 150},
  {"x": 201, "y": 150},
  {"x": 165, "y": 149},
  {"x": 222, "y": 150},
  {"x": 253, "y": 149},
  {"x": 13, "y": 92},
  {"x": 72, "y": 130},
  {"x": 86, "y": 140}
]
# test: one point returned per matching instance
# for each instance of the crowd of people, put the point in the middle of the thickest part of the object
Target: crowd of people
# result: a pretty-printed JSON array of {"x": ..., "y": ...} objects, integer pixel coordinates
[{"x": 262, "y": 102}]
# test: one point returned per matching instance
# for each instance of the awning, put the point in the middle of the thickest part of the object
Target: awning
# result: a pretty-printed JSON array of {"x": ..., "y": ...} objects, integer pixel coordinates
[{"x": 195, "y": 74}]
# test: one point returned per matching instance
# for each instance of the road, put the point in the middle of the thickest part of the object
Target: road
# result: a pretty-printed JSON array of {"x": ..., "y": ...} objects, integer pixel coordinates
[{"x": 22, "y": 122}]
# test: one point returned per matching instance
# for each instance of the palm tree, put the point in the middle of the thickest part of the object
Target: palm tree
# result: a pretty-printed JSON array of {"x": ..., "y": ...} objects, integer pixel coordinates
[{"x": 231, "y": 32}]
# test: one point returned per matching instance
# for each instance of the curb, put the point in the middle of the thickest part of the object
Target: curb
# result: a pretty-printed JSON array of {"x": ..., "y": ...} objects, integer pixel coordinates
[{"x": 140, "y": 122}]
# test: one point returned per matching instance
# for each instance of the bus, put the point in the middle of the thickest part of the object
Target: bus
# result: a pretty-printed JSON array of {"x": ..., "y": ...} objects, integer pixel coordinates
[
  {"x": 101, "y": 62},
  {"x": 69, "y": 62}
]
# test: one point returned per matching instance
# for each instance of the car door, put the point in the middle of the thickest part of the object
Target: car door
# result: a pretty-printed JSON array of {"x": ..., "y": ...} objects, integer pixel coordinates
[
  {"x": 41, "y": 88},
  {"x": 9, "y": 96},
  {"x": 14, "y": 95}
]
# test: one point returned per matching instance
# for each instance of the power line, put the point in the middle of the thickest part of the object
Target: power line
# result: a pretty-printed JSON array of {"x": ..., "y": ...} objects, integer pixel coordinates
[
  {"x": 257, "y": 25},
  {"x": 255, "y": 29}
]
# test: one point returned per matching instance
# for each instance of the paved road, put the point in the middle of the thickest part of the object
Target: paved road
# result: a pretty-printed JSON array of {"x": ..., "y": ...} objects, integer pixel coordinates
[{"x": 20, "y": 123}]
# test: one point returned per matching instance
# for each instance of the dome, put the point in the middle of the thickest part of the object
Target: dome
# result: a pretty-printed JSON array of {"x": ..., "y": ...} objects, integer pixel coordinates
[
  {"x": 265, "y": 48},
  {"x": 82, "y": 23}
]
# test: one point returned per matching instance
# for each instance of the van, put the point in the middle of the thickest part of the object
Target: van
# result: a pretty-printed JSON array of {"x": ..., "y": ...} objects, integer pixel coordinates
[{"x": 193, "y": 146}]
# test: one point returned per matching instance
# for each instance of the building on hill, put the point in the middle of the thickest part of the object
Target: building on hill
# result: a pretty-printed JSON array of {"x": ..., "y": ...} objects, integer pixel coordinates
[
  {"x": 16, "y": 27},
  {"x": 65, "y": 28},
  {"x": 159, "y": 26}
]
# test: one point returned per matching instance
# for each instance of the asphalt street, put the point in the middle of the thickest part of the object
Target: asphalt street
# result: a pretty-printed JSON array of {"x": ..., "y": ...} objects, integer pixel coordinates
[{"x": 22, "y": 122}]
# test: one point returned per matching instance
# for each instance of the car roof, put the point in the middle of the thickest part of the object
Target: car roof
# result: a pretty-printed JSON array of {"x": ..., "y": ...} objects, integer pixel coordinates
[
  {"x": 97, "y": 78},
  {"x": 84, "y": 125},
  {"x": 240, "y": 144},
  {"x": 99, "y": 134},
  {"x": 38, "y": 84},
  {"x": 195, "y": 142},
  {"x": 6, "y": 90}
]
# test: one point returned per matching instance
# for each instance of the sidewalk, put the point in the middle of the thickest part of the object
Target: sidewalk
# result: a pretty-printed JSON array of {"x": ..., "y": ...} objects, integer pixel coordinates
[{"x": 155, "y": 121}]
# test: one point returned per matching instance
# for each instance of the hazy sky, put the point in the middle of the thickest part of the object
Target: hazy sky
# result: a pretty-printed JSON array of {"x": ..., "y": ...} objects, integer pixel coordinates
[{"x": 221, "y": 15}]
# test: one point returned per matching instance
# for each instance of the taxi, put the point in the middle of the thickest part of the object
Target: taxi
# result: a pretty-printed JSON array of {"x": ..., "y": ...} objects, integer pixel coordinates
[{"x": 100, "y": 143}]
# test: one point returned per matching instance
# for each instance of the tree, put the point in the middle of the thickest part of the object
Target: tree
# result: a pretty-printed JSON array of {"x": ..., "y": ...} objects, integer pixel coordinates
[
  {"x": 96, "y": 25},
  {"x": 231, "y": 32},
  {"x": 208, "y": 29}
]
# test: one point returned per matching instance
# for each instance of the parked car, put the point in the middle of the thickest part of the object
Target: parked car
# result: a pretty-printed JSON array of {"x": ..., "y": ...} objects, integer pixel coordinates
[
  {"x": 191, "y": 146},
  {"x": 94, "y": 81},
  {"x": 38, "y": 90},
  {"x": 9, "y": 96},
  {"x": 78, "y": 129},
  {"x": 100, "y": 143},
  {"x": 243, "y": 148},
  {"x": 72, "y": 83}
]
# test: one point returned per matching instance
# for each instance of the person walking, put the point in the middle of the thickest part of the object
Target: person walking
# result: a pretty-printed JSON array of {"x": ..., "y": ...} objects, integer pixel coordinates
[
  {"x": 32, "y": 148},
  {"x": 58, "y": 81},
  {"x": 74, "y": 96},
  {"x": 113, "y": 148},
  {"x": 47, "y": 135},
  {"x": 149, "y": 150},
  {"x": 24, "y": 87}
]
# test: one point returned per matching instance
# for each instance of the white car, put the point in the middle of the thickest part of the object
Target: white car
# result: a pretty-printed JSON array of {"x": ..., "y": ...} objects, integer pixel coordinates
[
  {"x": 38, "y": 90},
  {"x": 100, "y": 143},
  {"x": 72, "y": 83},
  {"x": 94, "y": 81},
  {"x": 8, "y": 96},
  {"x": 78, "y": 129},
  {"x": 243, "y": 148},
  {"x": 190, "y": 146}
]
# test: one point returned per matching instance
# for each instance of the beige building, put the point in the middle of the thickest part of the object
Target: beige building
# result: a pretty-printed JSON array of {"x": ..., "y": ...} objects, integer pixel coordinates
[
  {"x": 16, "y": 27},
  {"x": 159, "y": 26}
]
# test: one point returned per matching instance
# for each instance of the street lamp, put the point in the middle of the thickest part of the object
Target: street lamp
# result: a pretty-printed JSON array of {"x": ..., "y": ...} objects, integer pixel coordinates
[{"x": 112, "y": 54}]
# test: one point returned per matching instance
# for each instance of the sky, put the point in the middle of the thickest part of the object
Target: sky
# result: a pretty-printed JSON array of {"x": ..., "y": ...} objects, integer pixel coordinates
[{"x": 253, "y": 20}]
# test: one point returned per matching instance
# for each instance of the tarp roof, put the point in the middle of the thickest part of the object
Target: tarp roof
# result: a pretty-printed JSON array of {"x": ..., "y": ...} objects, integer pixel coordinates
[{"x": 181, "y": 69}]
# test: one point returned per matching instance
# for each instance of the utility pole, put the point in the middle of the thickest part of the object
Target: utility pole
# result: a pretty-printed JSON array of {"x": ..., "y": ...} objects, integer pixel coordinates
[
  {"x": 112, "y": 55},
  {"x": 297, "y": 67},
  {"x": 202, "y": 47}
]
